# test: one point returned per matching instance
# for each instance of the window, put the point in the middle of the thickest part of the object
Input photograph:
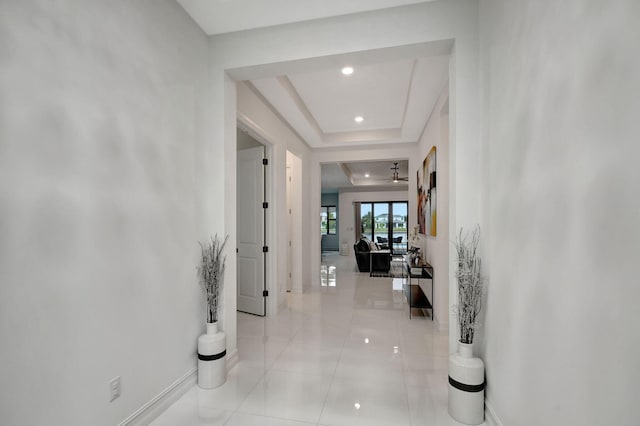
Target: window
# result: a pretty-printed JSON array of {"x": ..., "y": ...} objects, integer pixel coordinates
[
  {"x": 385, "y": 223},
  {"x": 328, "y": 217}
]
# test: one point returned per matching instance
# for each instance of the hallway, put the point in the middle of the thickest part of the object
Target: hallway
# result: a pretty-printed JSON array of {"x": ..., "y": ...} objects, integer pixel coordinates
[{"x": 345, "y": 353}]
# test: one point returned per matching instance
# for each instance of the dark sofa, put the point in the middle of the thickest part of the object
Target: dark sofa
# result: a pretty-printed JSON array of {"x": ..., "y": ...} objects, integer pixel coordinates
[{"x": 363, "y": 258}]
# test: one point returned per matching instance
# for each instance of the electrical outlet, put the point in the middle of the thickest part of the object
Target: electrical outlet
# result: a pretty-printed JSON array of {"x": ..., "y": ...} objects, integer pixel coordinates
[{"x": 115, "y": 388}]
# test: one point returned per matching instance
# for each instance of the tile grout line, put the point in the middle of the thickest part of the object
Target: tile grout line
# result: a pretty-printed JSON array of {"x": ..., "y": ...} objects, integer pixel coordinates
[
  {"x": 333, "y": 375},
  {"x": 404, "y": 378},
  {"x": 265, "y": 370}
]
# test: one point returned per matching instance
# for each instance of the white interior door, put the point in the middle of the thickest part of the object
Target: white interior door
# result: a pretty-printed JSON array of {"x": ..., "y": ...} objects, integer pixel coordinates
[
  {"x": 289, "y": 231},
  {"x": 250, "y": 231},
  {"x": 294, "y": 219}
]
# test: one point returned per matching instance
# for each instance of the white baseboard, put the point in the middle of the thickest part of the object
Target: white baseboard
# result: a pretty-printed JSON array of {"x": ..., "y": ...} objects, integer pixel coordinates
[
  {"x": 232, "y": 359},
  {"x": 490, "y": 416},
  {"x": 440, "y": 326},
  {"x": 152, "y": 409}
]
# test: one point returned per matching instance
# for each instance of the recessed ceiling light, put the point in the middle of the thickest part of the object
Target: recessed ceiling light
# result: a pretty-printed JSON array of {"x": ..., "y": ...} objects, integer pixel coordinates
[
  {"x": 347, "y": 70},
  {"x": 366, "y": 175},
  {"x": 359, "y": 119}
]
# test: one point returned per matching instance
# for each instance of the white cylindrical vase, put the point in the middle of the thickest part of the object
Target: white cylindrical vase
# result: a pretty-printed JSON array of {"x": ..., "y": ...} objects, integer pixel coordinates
[
  {"x": 212, "y": 352},
  {"x": 466, "y": 386}
]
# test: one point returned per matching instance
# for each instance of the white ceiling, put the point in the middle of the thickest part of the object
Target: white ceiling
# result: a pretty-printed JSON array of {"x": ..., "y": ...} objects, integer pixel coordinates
[
  {"x": 352, "y": 176},
  {"x": 333, "y": 178},
  {"x": 223, "y": 16},
  {"x": 334, "y": 99},
  {"x": 394, "y": 89},
  {"x": 395, "y": 99}
]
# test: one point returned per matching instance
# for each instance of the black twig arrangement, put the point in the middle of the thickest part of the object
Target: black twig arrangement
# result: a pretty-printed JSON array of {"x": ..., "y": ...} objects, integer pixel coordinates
[
  {"x": 470, "y": 282},
  {"x": 211, "y": 272}
]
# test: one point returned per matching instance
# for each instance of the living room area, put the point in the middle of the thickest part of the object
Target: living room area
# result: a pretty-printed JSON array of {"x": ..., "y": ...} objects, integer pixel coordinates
[
  {"x": 375, "y": 211},
  {"x": 371, "y": 222}
]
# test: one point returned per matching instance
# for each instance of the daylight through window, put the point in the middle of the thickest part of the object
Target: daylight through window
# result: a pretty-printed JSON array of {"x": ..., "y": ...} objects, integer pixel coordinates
[{"x": 328, "y": 217}]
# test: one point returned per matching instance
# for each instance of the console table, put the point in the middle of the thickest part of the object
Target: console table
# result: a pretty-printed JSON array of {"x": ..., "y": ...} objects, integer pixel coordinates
[{"x": 411, "y": 286}]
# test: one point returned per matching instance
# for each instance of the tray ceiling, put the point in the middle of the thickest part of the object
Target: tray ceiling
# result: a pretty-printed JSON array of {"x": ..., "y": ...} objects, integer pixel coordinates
[
  {"x": 394, "y": 98},
  {"x": 393, "y": 89},
  {"x": 352, "y": 176}
]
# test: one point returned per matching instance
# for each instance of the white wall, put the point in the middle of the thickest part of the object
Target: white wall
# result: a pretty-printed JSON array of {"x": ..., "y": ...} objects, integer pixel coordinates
[
  {"x": 561, "y": 338},
  {"x": 102, "y": 108},
  {"x": 436, "y": 249},
  {"x": 245, "y": 141}
]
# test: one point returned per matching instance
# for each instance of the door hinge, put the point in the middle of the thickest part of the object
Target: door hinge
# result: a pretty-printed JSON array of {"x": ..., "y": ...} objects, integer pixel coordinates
[
  {"x": 237, "y": 251},
  {"x": 265, "y": 293},
  {"x": 265, "y": 161},
  {"x": 265, "y": 205},
  {"x": 265, "y": 249}
]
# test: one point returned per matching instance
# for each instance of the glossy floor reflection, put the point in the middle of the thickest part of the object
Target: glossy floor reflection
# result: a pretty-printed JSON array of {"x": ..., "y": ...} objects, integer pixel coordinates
[
  {"x": 344, "y": 353},
  {"x": 327, "y": 275}
]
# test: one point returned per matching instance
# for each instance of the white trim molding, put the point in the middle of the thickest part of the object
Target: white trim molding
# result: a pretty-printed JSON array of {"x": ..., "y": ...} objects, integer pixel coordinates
[
  {"x": 152, "y": 409},
  {"x": 440, "y": 326},
  {"x": 490, "y": 416},
  {"x": 232, "y": 359}
]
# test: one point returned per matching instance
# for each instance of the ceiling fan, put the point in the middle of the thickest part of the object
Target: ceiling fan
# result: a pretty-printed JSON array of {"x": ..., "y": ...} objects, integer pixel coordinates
[{"x": 396, "y": 176}]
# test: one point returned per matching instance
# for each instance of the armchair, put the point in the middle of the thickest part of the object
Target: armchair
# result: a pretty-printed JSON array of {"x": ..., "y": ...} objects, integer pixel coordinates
[
  {"x": 363, "y": 258},
  {"x": 383, "y": 243}
]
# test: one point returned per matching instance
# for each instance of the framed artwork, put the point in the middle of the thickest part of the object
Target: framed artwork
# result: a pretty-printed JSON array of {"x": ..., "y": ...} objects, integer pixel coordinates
[{"x": 427, "y": 212}]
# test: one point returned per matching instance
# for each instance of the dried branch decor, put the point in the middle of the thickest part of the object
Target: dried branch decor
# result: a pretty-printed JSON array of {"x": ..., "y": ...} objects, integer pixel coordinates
[
  {"x": 469, "y": 283},
  {"x": 211, "y": 272}
]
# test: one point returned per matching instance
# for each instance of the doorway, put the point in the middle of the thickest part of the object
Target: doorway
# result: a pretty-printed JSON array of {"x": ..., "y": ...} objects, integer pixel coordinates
[
  {"x": 251, "y": 225},
  {"x": 294, "y": 223}
]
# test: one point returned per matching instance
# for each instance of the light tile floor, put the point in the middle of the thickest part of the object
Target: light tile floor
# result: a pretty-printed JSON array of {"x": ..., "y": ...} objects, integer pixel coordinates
[{"x": 342, "y": 354}]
